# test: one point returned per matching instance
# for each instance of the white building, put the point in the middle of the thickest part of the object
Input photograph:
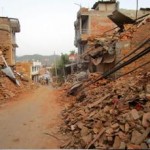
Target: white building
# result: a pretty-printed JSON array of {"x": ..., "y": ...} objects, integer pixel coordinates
[{"x": 35, "y": 70}]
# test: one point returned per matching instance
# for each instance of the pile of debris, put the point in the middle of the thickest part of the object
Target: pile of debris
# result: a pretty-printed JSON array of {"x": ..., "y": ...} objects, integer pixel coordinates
[
  {"x": 99, "y": 46},
  {"x": 113, "y": 115},
  {"x": 9, "y": 89}
]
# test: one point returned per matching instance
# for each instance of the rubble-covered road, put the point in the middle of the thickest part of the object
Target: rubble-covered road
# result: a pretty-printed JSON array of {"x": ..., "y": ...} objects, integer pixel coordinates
[{"x": 31, "y": 121}]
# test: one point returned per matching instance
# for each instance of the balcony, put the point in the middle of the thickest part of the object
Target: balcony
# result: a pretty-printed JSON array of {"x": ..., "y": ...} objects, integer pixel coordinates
[{"x": 15, "y": 25}]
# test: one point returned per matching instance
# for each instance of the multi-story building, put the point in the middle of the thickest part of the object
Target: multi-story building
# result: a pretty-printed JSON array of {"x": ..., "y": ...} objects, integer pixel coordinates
[
  {"x": 8, "y": 29},
  {"x": 93, "y": 22},
  {"x": 103, "y": 50},
  {"x": 35, "y": 71}
]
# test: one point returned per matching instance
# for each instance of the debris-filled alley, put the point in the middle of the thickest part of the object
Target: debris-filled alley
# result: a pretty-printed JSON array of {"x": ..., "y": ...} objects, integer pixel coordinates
[{"x": 94, "y": 97}]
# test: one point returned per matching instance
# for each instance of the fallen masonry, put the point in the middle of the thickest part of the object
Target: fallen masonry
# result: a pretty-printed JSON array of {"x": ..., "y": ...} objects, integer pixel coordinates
[
  {"x": 111, "y": 114},
  {"x": 9, "y": 89}
]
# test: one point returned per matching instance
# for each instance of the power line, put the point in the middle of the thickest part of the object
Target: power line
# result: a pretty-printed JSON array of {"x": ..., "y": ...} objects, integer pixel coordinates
[
  {"x": 140, "y": 46},
  {"x": 107, "y": 73},
  {"x": 134, "y": 69}
]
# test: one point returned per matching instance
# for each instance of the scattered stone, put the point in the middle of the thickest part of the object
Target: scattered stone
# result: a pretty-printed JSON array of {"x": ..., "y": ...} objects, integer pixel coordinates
[
  {"x": 109, "y": 131},
  {"x": 144, "y": 146},
  {"x": 117, "y": 142},
  {"x": 146, "y": 120},
  {"x": 109, "y": 138},
  {"x": 84, "y": 131},
  {"x": 135, "y": 114},
  {"x": 143, "y": 136},
  {"x": 132, "y": 146},
  {"x": 115, "y": 126},
  {"x": 135, "y": 136},
  {"x": 72, "y": 127},
  {"x": 87, "y": 139},
  {"x": 127, "y": 127},
  {"x": 122, "y": 145},
  {"x": 148, "y": 88}
]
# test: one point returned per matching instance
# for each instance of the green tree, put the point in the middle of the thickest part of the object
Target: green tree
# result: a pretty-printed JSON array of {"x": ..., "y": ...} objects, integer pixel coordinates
[{"x": 64, "y": 59}]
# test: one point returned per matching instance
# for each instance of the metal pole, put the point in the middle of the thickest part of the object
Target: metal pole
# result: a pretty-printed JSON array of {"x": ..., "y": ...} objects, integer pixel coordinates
[
  {"x": 55, "y": 64},
  {"x": 64, "y": 74},
  {"x": 137, "y": 2}
]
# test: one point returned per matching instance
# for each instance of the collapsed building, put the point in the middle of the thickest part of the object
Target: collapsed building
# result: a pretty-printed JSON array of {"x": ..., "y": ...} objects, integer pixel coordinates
[
  {"x": 106, "y": 113},
  {"x": 134, "y": 39},
  {"x": 93, "y": 22}
]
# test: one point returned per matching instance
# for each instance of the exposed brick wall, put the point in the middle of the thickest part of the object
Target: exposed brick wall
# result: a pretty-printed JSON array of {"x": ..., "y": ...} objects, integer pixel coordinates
[
  {"x": 4, "y": 37},
  {"x": 24, "y": 68},
  {"x": 138, "y": 36},
  {"x": 6, "y": 41},
  {"x": 142, "y": 33},
  {"x": 100, "y": 24}
]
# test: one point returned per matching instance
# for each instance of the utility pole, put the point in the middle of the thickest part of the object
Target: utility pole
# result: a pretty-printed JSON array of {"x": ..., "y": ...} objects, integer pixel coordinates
[
  {"x": 137, "y": 3},
  {"x": 55, "y": 65}
]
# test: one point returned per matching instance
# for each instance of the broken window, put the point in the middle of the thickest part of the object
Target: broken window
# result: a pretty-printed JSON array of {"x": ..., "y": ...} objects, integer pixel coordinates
[{"x": 85, "y": 24}]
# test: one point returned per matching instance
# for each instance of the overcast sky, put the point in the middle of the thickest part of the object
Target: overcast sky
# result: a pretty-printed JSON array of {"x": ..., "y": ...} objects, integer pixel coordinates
[{"x": 48, "y": 25}]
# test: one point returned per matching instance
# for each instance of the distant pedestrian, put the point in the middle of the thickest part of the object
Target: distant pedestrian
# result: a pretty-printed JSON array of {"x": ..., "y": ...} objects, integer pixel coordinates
[{"x": 47, "y": 81}]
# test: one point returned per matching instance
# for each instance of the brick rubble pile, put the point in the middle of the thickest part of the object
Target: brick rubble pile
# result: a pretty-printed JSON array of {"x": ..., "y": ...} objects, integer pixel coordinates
[
  {"x": 112, "y": 114},
  {"x": 8, "y": 89}
]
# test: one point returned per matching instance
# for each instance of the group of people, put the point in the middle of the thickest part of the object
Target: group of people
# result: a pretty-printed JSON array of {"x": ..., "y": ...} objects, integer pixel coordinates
[{"x": 45, "y": 79}]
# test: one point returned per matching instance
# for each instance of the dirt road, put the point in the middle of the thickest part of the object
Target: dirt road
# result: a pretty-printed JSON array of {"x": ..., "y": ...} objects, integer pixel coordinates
[{"x": 31, "y": 121}]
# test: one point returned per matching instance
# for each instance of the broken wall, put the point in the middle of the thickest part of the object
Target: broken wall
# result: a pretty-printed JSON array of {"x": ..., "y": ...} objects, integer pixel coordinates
[
  {"x": 128, "y": 43},
  {"x": 100, "y": 23},
  {"x": 24, "y": 68},
  {"x": 7, "y": 39}
]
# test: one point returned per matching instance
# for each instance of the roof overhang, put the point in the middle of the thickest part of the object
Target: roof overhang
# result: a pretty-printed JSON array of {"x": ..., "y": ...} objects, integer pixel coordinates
[{"x": 15, "y": 25}]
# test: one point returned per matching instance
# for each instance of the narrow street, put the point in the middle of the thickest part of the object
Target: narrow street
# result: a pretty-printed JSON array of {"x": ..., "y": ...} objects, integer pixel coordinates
[{"x": 31, "y": 121}]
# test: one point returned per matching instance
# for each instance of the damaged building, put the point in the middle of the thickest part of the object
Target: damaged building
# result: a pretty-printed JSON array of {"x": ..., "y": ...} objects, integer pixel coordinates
[
  {"x": 8, "y": 29},
  {"x": 31, "y": 70},
  {"x": 108, "y": 113},
  {"x": 93, "y": 22},
  {"x": 105, "y": 48},
  {"x": 134, "y": 39}
]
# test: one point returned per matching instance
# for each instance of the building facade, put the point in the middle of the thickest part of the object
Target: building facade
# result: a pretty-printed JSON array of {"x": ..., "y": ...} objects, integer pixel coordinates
[
  {"x": 93, "y": 22},
  {"x": 8, "y": 29},
  {"x": 35, "y": 71}
]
